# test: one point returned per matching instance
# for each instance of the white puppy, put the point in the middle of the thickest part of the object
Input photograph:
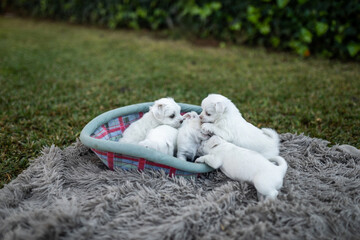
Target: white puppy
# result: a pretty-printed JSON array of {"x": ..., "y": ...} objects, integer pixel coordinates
[
  {"x": 162, "y": 138},
  {"x": 221, "y": 117},
  {"x": 189, "y": 137},
  {"x": 245, "y": 165},
  {"x": 165, "y": 111}
]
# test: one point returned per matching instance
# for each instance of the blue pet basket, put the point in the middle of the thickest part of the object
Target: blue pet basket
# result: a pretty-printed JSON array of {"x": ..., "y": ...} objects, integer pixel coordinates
[{"x": 103, "y": 132}]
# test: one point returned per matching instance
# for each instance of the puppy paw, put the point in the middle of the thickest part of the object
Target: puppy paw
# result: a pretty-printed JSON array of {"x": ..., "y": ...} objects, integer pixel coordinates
[
  {"x": 200, "y": 160},
  {"x": 207, "y": 129}
]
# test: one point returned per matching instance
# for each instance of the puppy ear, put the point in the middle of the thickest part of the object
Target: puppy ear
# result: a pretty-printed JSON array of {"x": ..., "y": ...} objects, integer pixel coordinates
[
  {"x": 220, "y": 107},
  {"x": 202, "y": 136},
  {"x": 214, "y": 145},
  {"x": 160, "y": 106},
  {"x": 195, "y": 115},
  {"x": 187, "y": 116},
  {"x": 214, "y": 141},
  {"x": 157, "y": 110}
]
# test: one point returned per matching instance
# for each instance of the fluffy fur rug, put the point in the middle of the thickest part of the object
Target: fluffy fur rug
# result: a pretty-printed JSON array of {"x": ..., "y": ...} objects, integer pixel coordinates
[{"x": 69, "y": 194}]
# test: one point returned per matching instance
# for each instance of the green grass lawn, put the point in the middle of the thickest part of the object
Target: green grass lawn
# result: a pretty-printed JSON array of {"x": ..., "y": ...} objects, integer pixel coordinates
[{"x": 56, "y": 77}]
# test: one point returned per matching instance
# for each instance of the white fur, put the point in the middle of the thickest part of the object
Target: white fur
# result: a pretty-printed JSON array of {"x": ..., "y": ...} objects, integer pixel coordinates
[
  {"x": 221, "y": 117},
  {"x": 165, "y": 111},
  {"x": 245, "y": 165},
  {"x": 189, "y": 137},
  {"x": 162, "y": 138}
]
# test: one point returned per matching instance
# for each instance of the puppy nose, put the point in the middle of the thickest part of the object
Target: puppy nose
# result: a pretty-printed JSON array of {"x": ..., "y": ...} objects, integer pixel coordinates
[
  {"x": 201, "y": 117},
  {"x": 181, "y": 121}
]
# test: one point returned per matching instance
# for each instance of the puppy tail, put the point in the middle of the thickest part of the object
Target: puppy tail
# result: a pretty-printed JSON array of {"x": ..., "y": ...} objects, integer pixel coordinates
[
  {"x": 280, "y": 162},
  {"x": 271, "y": 133}
]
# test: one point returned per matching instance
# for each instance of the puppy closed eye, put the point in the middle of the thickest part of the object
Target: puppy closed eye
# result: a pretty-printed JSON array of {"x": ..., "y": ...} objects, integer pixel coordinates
[
  {"x": 172, "y": 116},
  {"x": 207, "y": 114}
]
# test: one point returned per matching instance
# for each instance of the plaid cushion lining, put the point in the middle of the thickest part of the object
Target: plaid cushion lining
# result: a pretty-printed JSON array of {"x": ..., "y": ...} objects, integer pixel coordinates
[{"x": 112, "y": 131}]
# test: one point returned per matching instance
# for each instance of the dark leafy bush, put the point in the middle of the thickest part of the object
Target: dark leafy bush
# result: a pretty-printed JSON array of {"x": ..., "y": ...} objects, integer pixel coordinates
[{"x": 327, "y": 28}]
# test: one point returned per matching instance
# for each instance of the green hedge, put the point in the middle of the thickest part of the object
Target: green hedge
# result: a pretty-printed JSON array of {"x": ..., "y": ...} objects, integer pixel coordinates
[{"x": 327, "y": 28}]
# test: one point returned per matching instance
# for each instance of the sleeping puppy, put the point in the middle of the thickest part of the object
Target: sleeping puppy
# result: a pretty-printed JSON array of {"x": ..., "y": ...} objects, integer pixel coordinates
[
  {"x": 245, "y": 165},
  {"x": 162, "y": 138},
  {"x": 189, "y": 137},
  {"x": 221, "y": 117},
  {"x": 165, "y": 111}
]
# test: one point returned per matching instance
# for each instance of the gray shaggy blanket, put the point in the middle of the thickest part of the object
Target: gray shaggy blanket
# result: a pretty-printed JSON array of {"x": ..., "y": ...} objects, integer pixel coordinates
[{"x": 69, "y": 194}]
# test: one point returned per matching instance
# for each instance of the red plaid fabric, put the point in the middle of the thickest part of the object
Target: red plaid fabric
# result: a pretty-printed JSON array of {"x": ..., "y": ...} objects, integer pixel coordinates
[{"x": 112, "y": 131}]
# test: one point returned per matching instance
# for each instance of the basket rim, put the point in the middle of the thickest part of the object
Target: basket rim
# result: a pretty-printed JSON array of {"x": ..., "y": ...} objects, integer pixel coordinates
[{"x": 137, "y": 150}]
